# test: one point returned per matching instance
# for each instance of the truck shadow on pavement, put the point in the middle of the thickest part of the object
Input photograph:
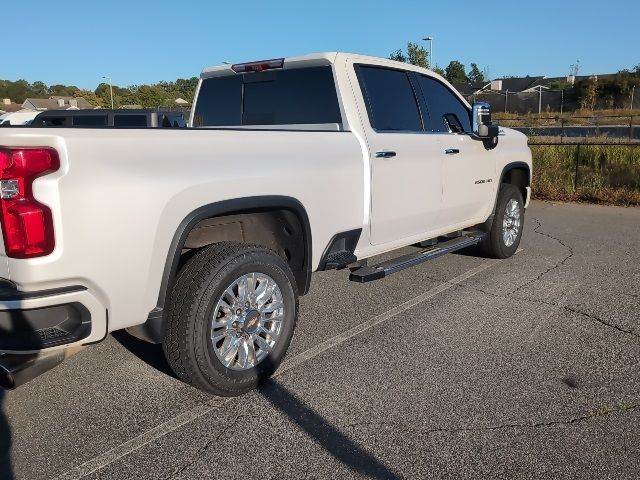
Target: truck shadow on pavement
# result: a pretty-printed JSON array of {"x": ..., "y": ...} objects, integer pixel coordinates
[
  {"x": 339, "y": 445},
  {"x": 149, "y": 353},
  {"x": 332, "y": 440},
  {"x": 6, "y": 472}
]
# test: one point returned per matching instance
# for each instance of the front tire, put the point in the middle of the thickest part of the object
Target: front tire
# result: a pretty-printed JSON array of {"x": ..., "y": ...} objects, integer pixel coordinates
[
  {"x": 506, "y": 229},
  {"x": 231, "y": 316}
]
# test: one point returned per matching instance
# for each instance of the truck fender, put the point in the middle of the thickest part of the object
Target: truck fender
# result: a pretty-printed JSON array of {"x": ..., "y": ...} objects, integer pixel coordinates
[{"x": 153, "y": 329}]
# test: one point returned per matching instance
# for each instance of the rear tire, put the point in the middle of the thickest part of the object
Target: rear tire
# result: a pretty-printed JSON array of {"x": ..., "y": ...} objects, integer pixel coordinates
[
  {"x": 506, "y": 229},
  {"x": 225, "y": 297}
]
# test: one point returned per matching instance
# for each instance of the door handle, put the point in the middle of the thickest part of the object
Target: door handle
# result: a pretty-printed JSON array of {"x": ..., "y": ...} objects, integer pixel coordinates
[
  {"x": 452, "y": 151},
  {"x": 385, "y": 154}
]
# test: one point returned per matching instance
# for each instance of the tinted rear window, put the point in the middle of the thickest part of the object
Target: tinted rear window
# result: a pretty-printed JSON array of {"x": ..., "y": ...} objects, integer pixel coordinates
[
  {"x": 89, "y": 121},
  {"x": 129, "y": 120},
  {"x": 276, "y": 97},
  {"x": 391, "y": 102}
]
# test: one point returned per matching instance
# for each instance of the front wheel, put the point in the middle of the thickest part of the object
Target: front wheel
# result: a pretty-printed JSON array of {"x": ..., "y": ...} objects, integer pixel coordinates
[
  {"x": 506, "y": 230},
  {"x": 231, "y": 317}
]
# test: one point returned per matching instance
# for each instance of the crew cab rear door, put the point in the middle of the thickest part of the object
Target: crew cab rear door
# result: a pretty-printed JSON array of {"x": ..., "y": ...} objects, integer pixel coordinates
[{"x": 406, "y": 164}]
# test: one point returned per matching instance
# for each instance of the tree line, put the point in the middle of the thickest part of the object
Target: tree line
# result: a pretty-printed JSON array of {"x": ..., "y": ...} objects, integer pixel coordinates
[
  {"x": 149, "y": 96},
  {"x": 610, "y": 92},
  {"x": 455, "y": 72}
]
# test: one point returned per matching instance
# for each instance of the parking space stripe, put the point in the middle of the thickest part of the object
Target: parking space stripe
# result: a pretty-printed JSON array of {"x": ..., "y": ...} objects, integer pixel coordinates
[{"x": 130, "y": 446}]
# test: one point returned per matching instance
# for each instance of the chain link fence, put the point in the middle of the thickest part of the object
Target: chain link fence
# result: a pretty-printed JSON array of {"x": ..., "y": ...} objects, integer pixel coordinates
[
  {"x": 543, "y": 100},
  {"x": 568, "y": 128}
]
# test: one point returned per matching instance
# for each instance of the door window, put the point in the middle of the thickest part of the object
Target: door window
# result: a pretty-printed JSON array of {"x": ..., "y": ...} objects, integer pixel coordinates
[
  {"x": 391, "y": 102},
  {"x": 447, "y": 114}
]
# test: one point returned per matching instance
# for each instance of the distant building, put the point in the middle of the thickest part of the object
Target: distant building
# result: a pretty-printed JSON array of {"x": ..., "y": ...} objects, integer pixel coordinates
[
  {"x": 181, "y": 102},
  {"x": 502, "y": 85},
  {"x": 517, "y": 84},
  {"x": 57, "y": 103},
  {"x": 7, "y": 106},
  {"x": 469, "y": 89}
]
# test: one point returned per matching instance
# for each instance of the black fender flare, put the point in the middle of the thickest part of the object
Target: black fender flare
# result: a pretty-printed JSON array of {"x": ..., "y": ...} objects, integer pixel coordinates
[
  {"x": 153, "y": 329},
  {"x": 513, "y": 165},
  {"x": 486, "y": 226}
]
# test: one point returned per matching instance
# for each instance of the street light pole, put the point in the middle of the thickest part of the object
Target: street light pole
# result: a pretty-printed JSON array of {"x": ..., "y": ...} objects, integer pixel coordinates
[
  {"x": 110, "y": 89},
  {"x": 431, "y": 62}
]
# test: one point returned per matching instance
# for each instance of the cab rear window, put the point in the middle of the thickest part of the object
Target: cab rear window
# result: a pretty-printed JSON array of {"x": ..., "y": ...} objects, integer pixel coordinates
[{"x": 275, "y": 97}]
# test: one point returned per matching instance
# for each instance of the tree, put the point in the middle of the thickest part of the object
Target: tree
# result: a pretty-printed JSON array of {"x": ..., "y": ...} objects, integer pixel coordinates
[
  {"x": 151, "y": 96},
  {"x": 62, "y": 90},
  {"x": 455, "y": 72},
  {"x": 90, "y": 97},
  {"x": 39, "y": 89},
  {"x": 187, "y": 87},
  {"x": 416, "y": 55},
  {"x": 398, "y": 56},
  {"x": 17, "y": 91},
  {"x": 103, "y": 95},
  {"x": 475, "y": 75},
  {"x": 588, "y": 93}
]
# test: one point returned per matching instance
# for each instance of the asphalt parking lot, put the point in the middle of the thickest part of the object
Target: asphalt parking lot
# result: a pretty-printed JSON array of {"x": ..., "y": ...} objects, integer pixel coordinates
[{"x": 462, "y": 367}]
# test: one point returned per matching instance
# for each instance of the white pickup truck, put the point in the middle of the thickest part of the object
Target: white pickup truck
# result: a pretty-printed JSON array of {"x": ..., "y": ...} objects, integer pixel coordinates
[{"x": 203, "y": 238}]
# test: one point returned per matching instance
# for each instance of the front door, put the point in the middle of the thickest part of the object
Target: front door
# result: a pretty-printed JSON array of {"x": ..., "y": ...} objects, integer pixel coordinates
[{"x": 468, "y": 168}]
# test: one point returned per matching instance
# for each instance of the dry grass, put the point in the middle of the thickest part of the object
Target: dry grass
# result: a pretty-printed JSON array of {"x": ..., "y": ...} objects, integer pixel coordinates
[
  {"x": 606, "y": 174},
  {"x": 579, "y": 117}
]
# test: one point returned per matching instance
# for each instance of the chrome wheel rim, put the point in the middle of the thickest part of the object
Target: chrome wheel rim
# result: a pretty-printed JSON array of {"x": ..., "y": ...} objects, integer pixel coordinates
[
  {"x": 511, "y": 222},
  {"x": 247, "y": 321}
]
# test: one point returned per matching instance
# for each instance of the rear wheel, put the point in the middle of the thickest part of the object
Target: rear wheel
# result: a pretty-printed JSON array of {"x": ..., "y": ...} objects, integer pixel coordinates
[
  {"x": 506, "y": 230},
  {"x": 231, "y": 318}
]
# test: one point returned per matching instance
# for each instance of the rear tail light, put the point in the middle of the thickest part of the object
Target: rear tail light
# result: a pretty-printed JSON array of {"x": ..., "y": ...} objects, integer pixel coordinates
[
  {"x": 258, "y": 66},
  {"x": 27, "y": 225}
]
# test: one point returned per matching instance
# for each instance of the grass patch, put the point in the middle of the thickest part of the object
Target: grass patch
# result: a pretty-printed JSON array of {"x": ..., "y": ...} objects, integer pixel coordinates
[
  {"x": 579, "y": 117},
  {"x": 606, "y": 174}
]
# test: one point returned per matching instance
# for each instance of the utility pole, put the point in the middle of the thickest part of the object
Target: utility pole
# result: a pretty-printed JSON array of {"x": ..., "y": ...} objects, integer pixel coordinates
[
  {"x": 540, "y": 100},
  {"x": 633, "y": 90},
  {"x": 110, "y": 89},
  {"x": 506, "y": 99},
  {"x": 432, "y": 64}
]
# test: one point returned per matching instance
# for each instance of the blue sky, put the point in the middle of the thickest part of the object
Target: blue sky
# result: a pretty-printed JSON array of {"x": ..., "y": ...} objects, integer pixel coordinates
[{"x": 141, "y": 41}]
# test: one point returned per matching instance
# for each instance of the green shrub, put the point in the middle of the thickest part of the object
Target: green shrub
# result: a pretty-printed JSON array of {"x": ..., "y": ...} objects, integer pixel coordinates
[{"x": 606, "y": 174}]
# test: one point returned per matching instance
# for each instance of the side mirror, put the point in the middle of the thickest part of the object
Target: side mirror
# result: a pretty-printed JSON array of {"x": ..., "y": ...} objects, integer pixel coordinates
[{"x": 482, "y": 125}]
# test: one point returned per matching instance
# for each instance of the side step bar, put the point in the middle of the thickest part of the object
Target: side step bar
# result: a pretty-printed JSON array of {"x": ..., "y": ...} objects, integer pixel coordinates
[{"x": 376, "y": 272}]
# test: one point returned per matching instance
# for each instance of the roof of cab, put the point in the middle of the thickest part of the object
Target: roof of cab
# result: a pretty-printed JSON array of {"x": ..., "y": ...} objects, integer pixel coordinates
[{"x": 318, "y": 59}]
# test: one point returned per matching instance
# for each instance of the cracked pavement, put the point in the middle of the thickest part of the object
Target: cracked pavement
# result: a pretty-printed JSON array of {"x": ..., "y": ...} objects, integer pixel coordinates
[{"x": 528, "y": 369}]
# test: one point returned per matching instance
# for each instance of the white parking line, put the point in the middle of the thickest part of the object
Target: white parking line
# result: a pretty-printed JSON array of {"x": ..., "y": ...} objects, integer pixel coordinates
[{"x": 124, "y": 449}]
